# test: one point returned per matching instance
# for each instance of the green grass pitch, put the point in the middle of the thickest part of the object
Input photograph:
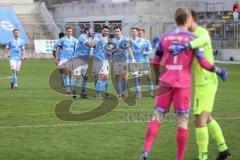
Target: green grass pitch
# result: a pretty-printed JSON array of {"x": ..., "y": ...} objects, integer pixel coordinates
[{"x": 30, "y": 130}]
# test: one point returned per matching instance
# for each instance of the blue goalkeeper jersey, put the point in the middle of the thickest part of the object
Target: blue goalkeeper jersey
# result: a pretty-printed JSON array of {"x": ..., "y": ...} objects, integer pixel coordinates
[
  {"x": 137, "y": 46},
  {"x": 147, "y": 48},
  {"x": 16, "y": 47},
  {"x": 82, "y": 49},
  {"x": 121, "y": 55},
  {"x": 98, "y": 52},
  {"x": 68, "y": 47}
]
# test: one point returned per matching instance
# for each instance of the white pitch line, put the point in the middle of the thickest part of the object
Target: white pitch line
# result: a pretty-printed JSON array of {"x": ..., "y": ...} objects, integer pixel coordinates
[
  {"x": 63, "y": 125},
  {"x": 5, "y": 77},
  {"x": 47, "y": 113},
  {"x": 92, "y": 123}
]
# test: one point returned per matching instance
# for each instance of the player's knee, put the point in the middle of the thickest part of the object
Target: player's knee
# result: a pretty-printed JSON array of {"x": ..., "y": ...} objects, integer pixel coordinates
[
  {"x": 210, "y": 118},
  {"x": 182, "y": 120},
  {"x": 149, "y": 78},
  {"x": 101, "y": 77},
  {"x": 158, "y": 116},
  {"x": 200, "y": 122},
  {"x": 202, "y": 119},
  {"x": 117, "y": 77}
]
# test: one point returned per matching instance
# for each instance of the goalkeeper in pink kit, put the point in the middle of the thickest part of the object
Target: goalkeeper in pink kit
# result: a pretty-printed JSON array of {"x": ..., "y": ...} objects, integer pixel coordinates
[{"x": 175, "y": 83}]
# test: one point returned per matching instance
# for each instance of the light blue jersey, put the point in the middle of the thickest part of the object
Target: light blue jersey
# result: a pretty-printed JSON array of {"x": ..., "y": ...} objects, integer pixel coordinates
[
  {"x": 98, "y": 52},
  {"x": 55, "y": 47},
  {"x": 68, "y": 47},
  {"x": 147, "y": 48},
  {"x": 15, "y": 47},
  {"x": 82, "y": 49},
  {"x": 137, "y": 49},
  {"x": 121, "y": 55}
]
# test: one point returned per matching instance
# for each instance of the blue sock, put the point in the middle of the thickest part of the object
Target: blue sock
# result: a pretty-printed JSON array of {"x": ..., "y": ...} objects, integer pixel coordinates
[
  {"x": 118, "y": 87},
  {"x": 14, "y": 78},
  {"x": 99, "y": 86},
  {"x": 95, "y": 83},
  {"x": 84, "y": 85},
  {"x": 95, "y": 80},
  {"x": 62, "y": 80},
  {"x": 67, "y": 80},
  {"x": 70, "y": 80},
  {"x": 124, "y": 85},
  {"x": 151, "y": 87},
  {"x": 137, "y": 85},
  {"x": 75, "y": 85},
  {"x": 107, "y": 86}
]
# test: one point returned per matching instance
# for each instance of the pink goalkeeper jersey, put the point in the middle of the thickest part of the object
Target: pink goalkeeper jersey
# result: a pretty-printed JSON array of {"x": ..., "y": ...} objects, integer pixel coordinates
[{"x": 178, "y": 68}]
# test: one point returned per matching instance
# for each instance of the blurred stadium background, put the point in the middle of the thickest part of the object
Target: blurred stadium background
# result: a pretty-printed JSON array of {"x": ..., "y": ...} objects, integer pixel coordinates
[{"x": 44, "y": 19}]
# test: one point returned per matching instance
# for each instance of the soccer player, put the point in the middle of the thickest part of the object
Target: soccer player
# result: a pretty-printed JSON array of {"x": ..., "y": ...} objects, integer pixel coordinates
[
  {"x": 120, "y": 63},
  {"x": 67, "y": 45},
  {"x": 137, "y": 46},
  {"x": 205, "y": 90},
  {"x": 175, "y": 83},
  {"x": 56, "y": 54},
  {"x": 147, "y": 51},
  {"x": 82, "y": 53},
  {"x": 15, "y": 51},
  {"x": 101, "y": 64}
]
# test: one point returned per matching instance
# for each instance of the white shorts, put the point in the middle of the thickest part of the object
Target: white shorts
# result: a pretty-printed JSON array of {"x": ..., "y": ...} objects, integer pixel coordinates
[
  {"x": 135, "y": 69},
  {"x": 82, "y": 67},
  {"x": 146, "y": 69},
  {"x": 62, "y": 62},
  {"x": 120, "y": 68},
  {"x": 100, "y": 67},
  {"x": 15, "y": 64}
]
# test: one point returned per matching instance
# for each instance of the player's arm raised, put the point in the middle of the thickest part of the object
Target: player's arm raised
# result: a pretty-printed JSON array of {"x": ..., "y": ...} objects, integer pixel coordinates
[{"x": 204, "y": 63}]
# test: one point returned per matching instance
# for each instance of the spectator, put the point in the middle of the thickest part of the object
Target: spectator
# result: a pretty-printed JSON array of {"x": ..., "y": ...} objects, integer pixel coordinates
[
  {"x": 235, "y": 15},
  {"x": 235, "y": 6}
]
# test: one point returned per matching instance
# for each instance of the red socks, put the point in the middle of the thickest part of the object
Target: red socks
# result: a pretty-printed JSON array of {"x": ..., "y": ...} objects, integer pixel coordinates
[
  {"x": 182, "y": 139},
  {"x": 151, "y": 134}
]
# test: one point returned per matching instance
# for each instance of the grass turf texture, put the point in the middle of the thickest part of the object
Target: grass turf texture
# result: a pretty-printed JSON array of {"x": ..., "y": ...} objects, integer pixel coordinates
[{"x": 30, "y": 130}]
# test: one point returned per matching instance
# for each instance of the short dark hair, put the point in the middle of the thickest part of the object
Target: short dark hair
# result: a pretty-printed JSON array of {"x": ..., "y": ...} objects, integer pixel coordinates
[
  {"x": 87, "y": 29},
  {"x": 181, "y": 15},
  {"x": 15, "y": 30},
  {"x": 117, "y": 27},
  {"x": 68, "y": 27},
  {"x": 135, "y": 28},
  {"x": 194, "y": 15},
  {"x": 60, "y": 35},
  {"x": 105, "y": 27}
]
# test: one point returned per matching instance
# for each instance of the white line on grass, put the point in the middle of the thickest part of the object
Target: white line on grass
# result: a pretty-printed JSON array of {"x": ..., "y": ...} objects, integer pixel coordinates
[
  {"x": 5, "y": 77},
  {"x": 93, "y": 123},
  {"x": 47, "y": 113}
]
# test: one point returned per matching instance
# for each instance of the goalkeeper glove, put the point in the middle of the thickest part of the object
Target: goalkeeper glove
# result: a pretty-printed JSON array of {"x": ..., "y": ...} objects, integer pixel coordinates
[
  {"x": 176, "y": 48},
  {"x": 221, "y": 72}
]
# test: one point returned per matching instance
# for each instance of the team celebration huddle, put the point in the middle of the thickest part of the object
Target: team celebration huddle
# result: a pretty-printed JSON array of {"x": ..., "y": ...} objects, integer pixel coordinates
[
  {"x": 125, "y": 54},
  {"x": 179, "y": 51}
]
